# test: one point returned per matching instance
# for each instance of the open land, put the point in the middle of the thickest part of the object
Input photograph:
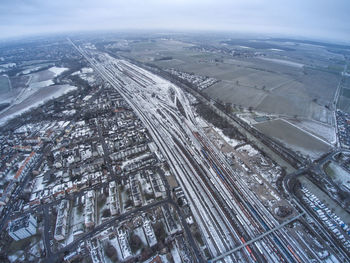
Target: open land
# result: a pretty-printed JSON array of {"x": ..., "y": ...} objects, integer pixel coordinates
[
  {"x": 344, "y": 96},
  {"x": 39, "y": 97},
  {"x": 31, "y": 90},
  {"x": 294, "y": 137},
  {"x": 4, "y": 84},
  {"x": 296, "y": 81},
  {"x": 255, "y": 81}
]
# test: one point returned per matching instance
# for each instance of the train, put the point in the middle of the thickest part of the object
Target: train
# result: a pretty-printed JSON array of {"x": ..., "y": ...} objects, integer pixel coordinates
[{"x": 287, "y": 253}]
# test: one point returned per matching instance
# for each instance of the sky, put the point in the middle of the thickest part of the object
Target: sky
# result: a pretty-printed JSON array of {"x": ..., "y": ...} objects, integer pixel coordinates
[{"x": 314, "y": 19}]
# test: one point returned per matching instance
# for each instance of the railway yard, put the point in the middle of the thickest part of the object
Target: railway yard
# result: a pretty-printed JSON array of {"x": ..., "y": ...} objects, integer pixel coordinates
[
  {"x": 236, "y": 225},
  {"x": 138, "y": 163}
]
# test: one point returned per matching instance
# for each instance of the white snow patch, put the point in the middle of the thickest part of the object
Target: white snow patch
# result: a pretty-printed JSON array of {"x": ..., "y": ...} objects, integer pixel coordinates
[
  {"x": 86, "y": 70},
  {"x": 60, "y": 90},
  {"x": 283, "y": 62},
  {"x": 175, "y": 254},
  {"x": 249, "y": 149},
  {"x": 38, "y": 184},
  {"x": 342, "y": 176},
  {"x": 324, "y": 132},
  {"x": 30, "y": 70},
  {"x": 57, "y": 71},
  {"x": 125, "y": 163},
  {"x": 139, "y": 232},
  {"x": 41, "y": 84},
  {"x": 230, "y": 141},
  {"x": 8, "y": 65},
  {"x": 85, "y": 74}
]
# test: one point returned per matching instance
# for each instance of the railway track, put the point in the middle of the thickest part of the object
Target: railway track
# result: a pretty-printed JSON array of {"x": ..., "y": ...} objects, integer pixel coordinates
[{"x": 234, "y": 215}]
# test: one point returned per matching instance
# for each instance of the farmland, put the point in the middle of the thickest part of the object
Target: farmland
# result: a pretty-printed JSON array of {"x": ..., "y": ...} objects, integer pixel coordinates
[
  {"x": 29, "y": 84},
  {"x": 279, "y": 78},
  {"x": 294, "y": 138},
  {"x": 344, "y": 96},
  {"x": 294, "y": 81},
  {"x": 39, "y": 97}
]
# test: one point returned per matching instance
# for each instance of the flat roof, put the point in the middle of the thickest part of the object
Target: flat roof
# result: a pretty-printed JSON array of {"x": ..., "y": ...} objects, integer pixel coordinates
[{"x": 22, "y": 222}]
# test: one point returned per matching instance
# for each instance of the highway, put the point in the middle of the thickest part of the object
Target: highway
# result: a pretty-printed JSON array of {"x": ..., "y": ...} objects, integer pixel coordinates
[
  {"x": 335, "y": 102},
  {"x": 227, "y": 212},
  {"x": 259, "y": 237},
  {"x": 289, "y": 182}
]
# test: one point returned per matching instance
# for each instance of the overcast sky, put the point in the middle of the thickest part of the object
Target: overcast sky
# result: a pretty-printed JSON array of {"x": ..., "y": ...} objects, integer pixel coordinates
[{"x": 323, "y": 19}]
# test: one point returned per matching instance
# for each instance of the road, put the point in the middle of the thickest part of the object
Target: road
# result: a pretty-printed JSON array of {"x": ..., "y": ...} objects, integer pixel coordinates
[
  {"x": 106, "y": 157},
  {"x": 335, "y": 103},
  {"x": 289, "y": 182},
  {"x": 46, "y": 235},
  {"x": 54, "y": 257}
]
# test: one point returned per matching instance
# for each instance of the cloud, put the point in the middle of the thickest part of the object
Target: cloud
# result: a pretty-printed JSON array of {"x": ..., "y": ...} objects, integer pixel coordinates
[{"x": 312, "y": 18}]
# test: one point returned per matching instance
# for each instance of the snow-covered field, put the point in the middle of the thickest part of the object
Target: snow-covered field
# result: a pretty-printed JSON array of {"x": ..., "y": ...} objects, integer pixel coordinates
[
  {"x": 275, "y": 49},
  {"x": 57, "y": 71},
  {"x": 283, "y": 62},
  {"x": 230, "y": 141},
  {"x": 40, "y": 89},
  {"x": 86, "y": 70},
  {"x": 30, "y": 70},
  {"x": 294, "y": 137},
  {"x": 321, "y": 130},
  {"x": 86, "y": 74},
  {"x": 340, "y": 175},
  {"x": 36, "y": 99},
  {"x": 41, "y": 84}
]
